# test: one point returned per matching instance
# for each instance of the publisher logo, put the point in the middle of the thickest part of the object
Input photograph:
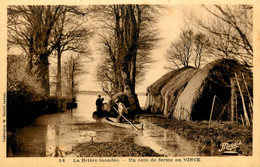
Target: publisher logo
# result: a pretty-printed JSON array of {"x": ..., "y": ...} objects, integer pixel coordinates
[{"x": 230, "y": 146}]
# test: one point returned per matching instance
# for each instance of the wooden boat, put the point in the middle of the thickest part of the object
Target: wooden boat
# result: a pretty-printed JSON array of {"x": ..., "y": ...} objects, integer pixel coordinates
[
  {"x": 113, "y": 121},
  {"x": 98, "y": 115}
]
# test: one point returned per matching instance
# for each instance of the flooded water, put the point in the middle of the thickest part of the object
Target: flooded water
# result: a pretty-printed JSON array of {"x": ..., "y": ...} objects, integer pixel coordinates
[{"x": 56, "y": 134}]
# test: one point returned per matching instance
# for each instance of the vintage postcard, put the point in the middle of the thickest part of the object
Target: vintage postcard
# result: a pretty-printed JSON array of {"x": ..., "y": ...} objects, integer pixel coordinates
[{"x": 129, "y": 83}]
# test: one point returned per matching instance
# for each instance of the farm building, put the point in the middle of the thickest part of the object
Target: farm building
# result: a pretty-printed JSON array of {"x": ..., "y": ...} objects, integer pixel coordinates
[{"x": 220, "y": 90}]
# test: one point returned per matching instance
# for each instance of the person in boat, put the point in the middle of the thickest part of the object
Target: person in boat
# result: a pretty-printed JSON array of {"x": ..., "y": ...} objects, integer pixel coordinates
[
  {"x": 99, "y": 104},
  {"x": 122, "y": 110}
]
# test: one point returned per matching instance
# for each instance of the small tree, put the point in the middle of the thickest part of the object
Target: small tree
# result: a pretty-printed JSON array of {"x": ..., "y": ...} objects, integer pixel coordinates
[
  {"x": 201, "y": 46},
  {"x": 73, "y": 68},
  {"x": 180, "y": 50},
  {"x": 187, "y": 47}
]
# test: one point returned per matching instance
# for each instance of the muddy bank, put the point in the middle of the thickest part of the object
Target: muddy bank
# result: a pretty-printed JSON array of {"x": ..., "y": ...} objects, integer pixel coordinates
[
  {"x": 215, "y": 135},
  {"x": 112, "y": 149}
]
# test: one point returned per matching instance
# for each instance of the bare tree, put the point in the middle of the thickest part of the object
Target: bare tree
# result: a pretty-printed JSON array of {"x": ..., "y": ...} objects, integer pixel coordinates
[
  {"x": 180, "y": 50},
  {"x": 105, "y": 76},
  {"x": 72, "y": 35},
  {"x": 108, "y": 74},
  {"x": 73, "y": 68},
  {"x": 230, "y": 31},
  {"x": 189, "y": 46}
]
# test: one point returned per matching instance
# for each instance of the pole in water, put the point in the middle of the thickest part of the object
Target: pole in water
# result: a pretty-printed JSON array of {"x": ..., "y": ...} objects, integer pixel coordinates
[{"x": 127, "y": 120}]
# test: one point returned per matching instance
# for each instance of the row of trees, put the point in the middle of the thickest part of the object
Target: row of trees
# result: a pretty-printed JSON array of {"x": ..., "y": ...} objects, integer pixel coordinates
[
  {"x": 36, "y": 32},
  {"x": 226, "y": 34}
]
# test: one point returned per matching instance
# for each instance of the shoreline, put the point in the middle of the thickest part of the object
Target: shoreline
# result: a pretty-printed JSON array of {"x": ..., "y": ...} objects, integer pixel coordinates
[{"x": 217, "y": 134}]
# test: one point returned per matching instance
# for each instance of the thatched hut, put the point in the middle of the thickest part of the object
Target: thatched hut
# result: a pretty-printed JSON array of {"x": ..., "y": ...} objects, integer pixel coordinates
[{"x": 192, "y": 94}]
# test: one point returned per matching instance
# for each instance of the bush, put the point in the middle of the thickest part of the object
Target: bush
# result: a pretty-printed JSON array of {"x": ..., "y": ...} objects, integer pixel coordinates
[
  {"x": 21, "y": 81},
  {"x": 22, "y": 110}
]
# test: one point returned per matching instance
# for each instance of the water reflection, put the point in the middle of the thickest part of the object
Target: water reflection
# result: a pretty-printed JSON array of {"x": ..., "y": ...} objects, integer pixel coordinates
[
  {"x": 50, "y": 141},
  {"x": 56, "y": 134},
  {"x": 167, "y": 142}
]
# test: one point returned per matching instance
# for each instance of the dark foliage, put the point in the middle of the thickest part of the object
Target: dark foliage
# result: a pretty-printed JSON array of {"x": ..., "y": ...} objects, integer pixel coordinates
[{"x": 22, "y": 110}]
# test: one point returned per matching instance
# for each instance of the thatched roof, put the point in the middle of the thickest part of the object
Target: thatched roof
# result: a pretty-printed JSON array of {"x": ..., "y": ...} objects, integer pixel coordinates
[
  {"x": 189, "y": 92},
  {"x": 180, "y": 78},
  {"x": 171, "y": 91},
  {"x": 156, "y": 87},
  {"x": 167, "y": 88},
  {"x": 213, "y": 79}
]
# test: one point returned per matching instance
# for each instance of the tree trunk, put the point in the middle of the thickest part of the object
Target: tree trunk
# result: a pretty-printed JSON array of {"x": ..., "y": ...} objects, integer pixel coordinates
[
  {"x": 133, "y": 81},
  {"x": 72, "y": 88},
  {"x": 131, "y": 36},
  {"x": 72, "y": 80},
  {"x": 43, "y": 70},
  {"x": 119, "y": 87},
  {"x": 58, "y": 84},
  {"x": 31, "y": 52},
  {"x": 127, "y": 23},
  {"x": 118, "y": 78}
]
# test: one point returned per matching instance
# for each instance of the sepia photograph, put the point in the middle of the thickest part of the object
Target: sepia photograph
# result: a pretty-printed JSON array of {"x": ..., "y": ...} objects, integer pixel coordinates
[{"x": 150, "y": 82}]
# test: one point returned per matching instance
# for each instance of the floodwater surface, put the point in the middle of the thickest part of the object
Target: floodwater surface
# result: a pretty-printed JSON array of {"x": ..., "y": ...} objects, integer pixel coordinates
[{"x": 56, "y": 134}]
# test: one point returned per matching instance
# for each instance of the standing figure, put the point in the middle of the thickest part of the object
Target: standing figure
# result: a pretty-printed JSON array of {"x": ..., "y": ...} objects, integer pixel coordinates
[
  {"x": 99, "y": 104},
  {"x": 121, "y": 110}
]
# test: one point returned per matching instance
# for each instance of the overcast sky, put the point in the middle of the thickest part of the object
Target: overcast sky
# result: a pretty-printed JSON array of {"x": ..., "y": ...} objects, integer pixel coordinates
[{"x": 169, "y": 25}]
